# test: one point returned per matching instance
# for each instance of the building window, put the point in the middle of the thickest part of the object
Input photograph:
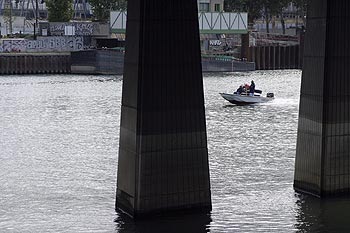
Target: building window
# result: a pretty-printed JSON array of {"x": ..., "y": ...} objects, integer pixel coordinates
[
  {"x": 217, "y": 8},
  {"x": 203, "y": 7}
]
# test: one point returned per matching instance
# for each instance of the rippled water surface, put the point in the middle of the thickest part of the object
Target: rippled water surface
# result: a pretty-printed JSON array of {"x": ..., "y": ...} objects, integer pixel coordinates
[{"x": 59, "y": 149}]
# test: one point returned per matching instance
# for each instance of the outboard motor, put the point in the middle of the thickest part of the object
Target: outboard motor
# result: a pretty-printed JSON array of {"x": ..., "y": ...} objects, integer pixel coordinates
[{"x": 270, "y": 95}]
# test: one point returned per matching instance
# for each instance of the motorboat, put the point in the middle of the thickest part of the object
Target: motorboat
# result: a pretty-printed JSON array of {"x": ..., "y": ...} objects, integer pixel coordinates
[{"x": 244, "y": 98}]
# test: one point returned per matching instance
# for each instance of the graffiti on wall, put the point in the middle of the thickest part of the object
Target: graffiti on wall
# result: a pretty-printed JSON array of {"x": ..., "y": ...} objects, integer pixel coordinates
[
  {"x": 45, "y": 44},
  {"x": 13, "y": 46},
  {"x": 56, "y": 43},
  {"x": 81, "y": 29},
  {"x": 84, "y": 29}
]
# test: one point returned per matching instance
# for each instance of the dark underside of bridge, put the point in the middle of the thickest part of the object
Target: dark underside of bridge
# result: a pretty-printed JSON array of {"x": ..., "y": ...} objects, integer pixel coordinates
[
  {"x": 163, "y": 156},
  {"x": 322, "y": 165}
]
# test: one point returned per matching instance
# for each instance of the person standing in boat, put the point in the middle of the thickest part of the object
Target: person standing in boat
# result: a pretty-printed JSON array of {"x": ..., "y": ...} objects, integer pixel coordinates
[{"x": 252, "y": 88}]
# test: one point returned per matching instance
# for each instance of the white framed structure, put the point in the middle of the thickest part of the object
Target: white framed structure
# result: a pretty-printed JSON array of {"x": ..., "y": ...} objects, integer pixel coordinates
[{"x": 209, "y": 22}]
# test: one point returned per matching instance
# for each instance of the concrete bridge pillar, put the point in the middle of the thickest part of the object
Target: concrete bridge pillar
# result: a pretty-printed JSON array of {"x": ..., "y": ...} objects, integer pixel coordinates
[
  {"x": 163, "y": 156},
  {"x": 322, "y": 165}
]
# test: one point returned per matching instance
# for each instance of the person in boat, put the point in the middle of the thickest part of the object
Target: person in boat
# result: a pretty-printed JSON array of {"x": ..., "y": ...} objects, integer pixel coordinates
[
  {"x": 240, "y": 90},
  {"x": 246, "y": 89},
  {"x": 252, "y": 88}
]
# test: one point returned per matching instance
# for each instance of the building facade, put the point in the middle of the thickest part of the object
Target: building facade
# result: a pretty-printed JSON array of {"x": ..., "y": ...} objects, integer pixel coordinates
[{"x": 210, "y": 5}]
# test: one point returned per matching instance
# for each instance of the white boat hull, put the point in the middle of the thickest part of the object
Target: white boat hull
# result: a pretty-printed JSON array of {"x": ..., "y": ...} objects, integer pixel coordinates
[{"x": 245, "y": 99}]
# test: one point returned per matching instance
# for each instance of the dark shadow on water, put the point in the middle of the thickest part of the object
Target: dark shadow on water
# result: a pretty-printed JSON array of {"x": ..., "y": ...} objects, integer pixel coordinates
[
  {"x": 322, "y": 215},
  {"x": 247, "y": 106},
  {"x": 105, "y": 78},
  {"x": 198, "y": 223}
]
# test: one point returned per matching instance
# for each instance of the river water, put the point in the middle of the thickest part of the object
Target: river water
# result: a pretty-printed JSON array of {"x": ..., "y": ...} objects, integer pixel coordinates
[{"x": 59, "y": 150}]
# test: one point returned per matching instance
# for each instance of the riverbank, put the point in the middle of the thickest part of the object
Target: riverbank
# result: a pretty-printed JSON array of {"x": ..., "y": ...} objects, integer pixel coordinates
[
  {"x": 106, "y": 61},
  {"x": 35, "y": 63},
  {"x": 111, "y": 61}
]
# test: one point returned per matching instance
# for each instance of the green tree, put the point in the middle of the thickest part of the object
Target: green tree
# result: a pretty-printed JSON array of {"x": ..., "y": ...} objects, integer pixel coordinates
[
  {"x": 120, "y": 5},
  {"x": 253, "y": 7},
  {"x": 301, "y": 6},
  {"x": 280, "y": 10},
  {"x": 8, "y": 19},
  {"x": 59, "y": 10},
  {"x": 274, "y": 8},
  {"x": 261, "y": 8},
  {"x": 102, "y": 8}
]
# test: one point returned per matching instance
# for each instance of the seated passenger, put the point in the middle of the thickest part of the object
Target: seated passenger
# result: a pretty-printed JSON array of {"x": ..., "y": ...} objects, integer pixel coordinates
[{"x": 240, "y": 90}]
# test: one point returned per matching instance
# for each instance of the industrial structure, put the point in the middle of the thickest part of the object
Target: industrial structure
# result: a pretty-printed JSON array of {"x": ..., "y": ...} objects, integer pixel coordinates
[
  {"x": 21, "y": 16},
  {"x": 31, "y": 8},
  {"x": 82, "y": 8}
]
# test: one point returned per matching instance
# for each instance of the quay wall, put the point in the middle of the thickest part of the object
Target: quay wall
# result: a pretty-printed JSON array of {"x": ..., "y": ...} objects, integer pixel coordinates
[
  {"x": 112, "y": 61},
  {"x": 225, "y": 64},
  {"x": 34, "y": 63},
  {"x": 97, "y": 62},
  {"x": 276, "y": 57}
]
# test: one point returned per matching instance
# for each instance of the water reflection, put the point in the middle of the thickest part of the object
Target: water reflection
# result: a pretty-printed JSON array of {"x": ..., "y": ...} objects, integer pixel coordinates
[
  {"x": 198, "y": 223},
  {"x": 322, "y": 215}
]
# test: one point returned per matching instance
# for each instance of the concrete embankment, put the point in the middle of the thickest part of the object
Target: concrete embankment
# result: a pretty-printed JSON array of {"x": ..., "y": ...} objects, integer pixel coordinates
[
  {"x": 35, "y": 63},
  {"x": 225, "y": 64},
  {"x": 111, "y": 61},
  {"x": 97, "y": 62},
  {"x": 276, "y": 57}
]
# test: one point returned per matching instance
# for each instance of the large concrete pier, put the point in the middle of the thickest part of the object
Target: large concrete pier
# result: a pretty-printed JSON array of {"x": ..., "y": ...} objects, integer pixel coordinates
[
  {"x": 34, "y": 63},
  {"x": 163, "y": 157},
  {"x": 322, "y": 165}
]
